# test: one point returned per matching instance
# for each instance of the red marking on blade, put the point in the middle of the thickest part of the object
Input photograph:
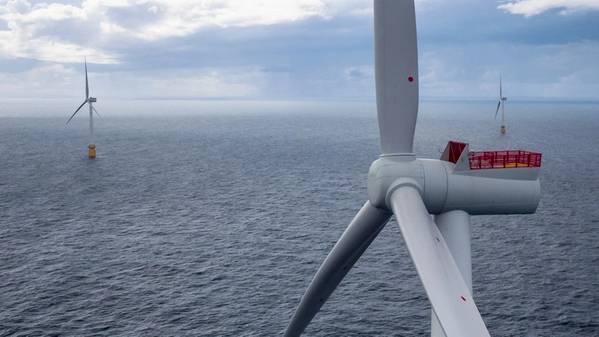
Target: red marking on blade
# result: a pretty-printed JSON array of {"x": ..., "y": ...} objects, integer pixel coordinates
[
  {"x": 463, "y": 299},
  {"x": 410, "y": 79}
]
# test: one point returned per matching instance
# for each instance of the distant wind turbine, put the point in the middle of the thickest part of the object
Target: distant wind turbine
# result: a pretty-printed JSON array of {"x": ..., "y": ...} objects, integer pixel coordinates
[
  {"x": 501, "y": 103},
  {"x": 91, "y": 147}
]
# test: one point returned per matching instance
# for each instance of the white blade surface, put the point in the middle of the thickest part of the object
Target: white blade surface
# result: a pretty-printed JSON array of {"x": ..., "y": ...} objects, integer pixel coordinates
[
  {"x": 448, "y": 293},
  {"x": 96, "y": 111},
  {"x": 86, "y": 82},
  {"x": 76, "y": 111},
  {"x": 396, "y": 68},
  {"x": 455, "y": 228},
  {"x": 360, "y": 233},
  {"x": 496, "y": 111}
]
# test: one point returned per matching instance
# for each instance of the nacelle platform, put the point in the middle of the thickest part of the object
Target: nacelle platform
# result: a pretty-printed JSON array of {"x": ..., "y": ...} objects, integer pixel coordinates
[{"x": 503, "y": 159}]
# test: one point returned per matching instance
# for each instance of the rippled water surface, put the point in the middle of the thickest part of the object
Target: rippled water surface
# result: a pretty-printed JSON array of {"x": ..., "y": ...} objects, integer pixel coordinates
[{"x": 213, "y": 224}]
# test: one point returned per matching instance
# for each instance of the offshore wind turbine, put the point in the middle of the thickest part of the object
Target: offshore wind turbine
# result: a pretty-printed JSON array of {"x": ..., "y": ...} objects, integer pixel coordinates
[
  {"x": 432, "y": 200},
  {"x": 501, "y": 103},
  {"x": 91, "y": 147}
]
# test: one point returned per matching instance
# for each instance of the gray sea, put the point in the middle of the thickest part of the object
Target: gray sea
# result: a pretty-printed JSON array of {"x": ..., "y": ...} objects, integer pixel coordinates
[{"x": 203, "y": 221}]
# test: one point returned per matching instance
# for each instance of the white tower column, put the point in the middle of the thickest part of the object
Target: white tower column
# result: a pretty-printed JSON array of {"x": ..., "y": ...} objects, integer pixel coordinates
[
  {"x": 91, "y": 123},
  {"x": 503, "y": 129},
  {"x": 456, "y": 230},
  {"x": 91, "y": 147}
]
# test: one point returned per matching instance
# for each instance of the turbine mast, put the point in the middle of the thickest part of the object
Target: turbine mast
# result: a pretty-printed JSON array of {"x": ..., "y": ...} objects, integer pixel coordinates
[
  {"x": 91, "y": 147},
  {"x": 502, "y": 101},
  {"x": 91, "y": 123}
]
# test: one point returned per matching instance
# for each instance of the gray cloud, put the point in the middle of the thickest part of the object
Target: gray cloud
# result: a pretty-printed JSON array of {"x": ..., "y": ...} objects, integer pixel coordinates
[
  {"x": 320, "y": 49},
  {"x": 535, "y": 7}
]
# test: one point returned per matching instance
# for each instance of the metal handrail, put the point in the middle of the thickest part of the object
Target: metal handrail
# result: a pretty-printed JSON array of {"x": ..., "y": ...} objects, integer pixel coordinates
[{"x": 504, "y": 159}]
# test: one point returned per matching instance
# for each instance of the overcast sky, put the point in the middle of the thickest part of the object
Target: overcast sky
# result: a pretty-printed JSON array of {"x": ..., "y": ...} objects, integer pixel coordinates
[{"x": 292, "y": 49}]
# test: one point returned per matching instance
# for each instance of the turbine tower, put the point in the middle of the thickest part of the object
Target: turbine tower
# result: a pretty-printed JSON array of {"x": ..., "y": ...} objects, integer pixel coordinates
[
  {"x": 432, "y": 200},
  {"x": 91, "y": 147},
  {"x": 501, "y": 103}
]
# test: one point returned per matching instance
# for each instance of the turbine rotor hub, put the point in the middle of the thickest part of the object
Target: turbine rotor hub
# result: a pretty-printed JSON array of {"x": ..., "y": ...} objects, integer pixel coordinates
[{"x": 390, "y": 172}]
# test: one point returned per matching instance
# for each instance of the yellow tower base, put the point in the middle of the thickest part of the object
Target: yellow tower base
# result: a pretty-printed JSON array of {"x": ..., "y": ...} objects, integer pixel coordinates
[
  {"x": 503, "y": 130},
  {"x": 91, "y": 151}
]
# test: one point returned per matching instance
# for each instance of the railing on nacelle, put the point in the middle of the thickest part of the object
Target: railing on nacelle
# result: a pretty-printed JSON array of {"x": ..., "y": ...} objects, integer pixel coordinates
[
  {"x": 503, "y": 159},
  {"x": 477, "y": 160}
]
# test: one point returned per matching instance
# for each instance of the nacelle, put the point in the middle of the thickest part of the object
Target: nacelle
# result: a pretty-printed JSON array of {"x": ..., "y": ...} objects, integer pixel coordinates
[{"x": 445, "y": 186}]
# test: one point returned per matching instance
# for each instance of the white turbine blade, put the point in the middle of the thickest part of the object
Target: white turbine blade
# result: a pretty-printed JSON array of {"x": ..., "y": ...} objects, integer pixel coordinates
[
  {"x": 76, "y": 111},
  {"x": 96, "y": 111},
  {"x": 496, "y": 111},
  {"x": 357, "y": 237},
  {"x": 456, "y": 230},
  {"x": 396, "y": 71},
  {"x": 446, "y": 289},
  {"x": 86, "y": 82},
  {"x": 500, "y": 89}
]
